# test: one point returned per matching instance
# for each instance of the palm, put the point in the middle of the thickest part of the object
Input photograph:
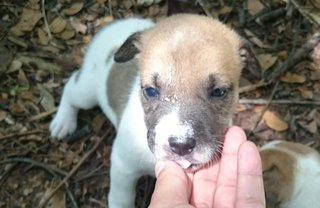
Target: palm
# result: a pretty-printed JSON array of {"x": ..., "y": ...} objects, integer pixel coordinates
[{"x": 216, "y": 186}]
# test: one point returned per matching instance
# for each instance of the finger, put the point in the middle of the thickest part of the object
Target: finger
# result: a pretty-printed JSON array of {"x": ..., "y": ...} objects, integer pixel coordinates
[
  {"x": 227, "y": 180},
  {"x": 250, "y": 190},
  {"x": 172, "y": 186},
  {"x": 204, "y": 185}
]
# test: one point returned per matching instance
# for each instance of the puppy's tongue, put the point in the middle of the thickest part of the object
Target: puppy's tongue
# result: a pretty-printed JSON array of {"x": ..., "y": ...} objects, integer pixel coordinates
[{"x": 184, "y": 163}]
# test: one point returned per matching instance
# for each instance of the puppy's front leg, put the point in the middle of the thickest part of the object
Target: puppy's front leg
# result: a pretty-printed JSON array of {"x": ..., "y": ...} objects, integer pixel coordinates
[
  {"x": 123, "y": 180},
  {"x": 79, "y": 93}
]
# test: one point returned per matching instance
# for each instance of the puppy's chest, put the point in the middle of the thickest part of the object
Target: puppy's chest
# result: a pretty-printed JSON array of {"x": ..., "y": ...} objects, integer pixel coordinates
[{"x": 120, "y": 83}]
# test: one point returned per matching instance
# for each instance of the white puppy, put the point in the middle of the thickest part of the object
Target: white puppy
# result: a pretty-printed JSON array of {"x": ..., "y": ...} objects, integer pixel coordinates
[{"x": 169, "y": 90}]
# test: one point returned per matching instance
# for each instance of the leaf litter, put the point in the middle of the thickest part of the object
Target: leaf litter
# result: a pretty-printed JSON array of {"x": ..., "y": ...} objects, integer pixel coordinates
[{"x": 41, "y": 48}]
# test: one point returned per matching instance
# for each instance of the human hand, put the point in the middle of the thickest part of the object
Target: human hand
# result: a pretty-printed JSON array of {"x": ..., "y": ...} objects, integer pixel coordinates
[{"x": 234, "y": 181}]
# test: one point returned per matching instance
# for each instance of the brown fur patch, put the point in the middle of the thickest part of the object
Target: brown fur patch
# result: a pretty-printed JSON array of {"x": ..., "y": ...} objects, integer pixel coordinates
[
  {"x": 295, "y": 148},
  {"x": 183, "y": 51},
  {"x": 278, "y": 174},
  {"x": 119, "y": 83}
]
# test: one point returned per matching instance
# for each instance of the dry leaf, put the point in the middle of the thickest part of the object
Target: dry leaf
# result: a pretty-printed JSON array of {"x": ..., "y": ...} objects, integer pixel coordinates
[
  {"x": 254, "y": 6},
  {"x": 58, "y": 25},
  {"x": 316, "y": 55},
  {"x": 43, "y": 39},
  {"x": 74, "y": 8},
  {"x": 29, "y": 18},
  {"x": 254, "y": 39},
  {"x": 305, "y": 93},
  {"x": 6, "y": 57},
  {"x": 47, "y": 101},
  {"x": 58, "y": 200},
  {"x": 103, "y": 21},
  {"x": 33, "y": 4},
  {"x": 97, "y": 123},
  {"x": 67, "y": 34},
  {"x": 3, "y": 115},
  {"x": 240, "y": 108},
  {"x": 78, "y": 26},
  {"x": 14, "y": 66},
  {"x": 40, "y": 63},
  {"x": 16, "y": 108},
  {"x": 27, "y": 191},
  {"x": 310, "y": 127},
  {"x": 267, "y": 61},
  {"x": 274, "y": 122},
  {"x": 22, "y": 78},
  {"x": 225, "y": 10},
  {"x": 293, "y": 78},
  {"x": 27, "y": 95},
  {"x": 316, "y": 87}
]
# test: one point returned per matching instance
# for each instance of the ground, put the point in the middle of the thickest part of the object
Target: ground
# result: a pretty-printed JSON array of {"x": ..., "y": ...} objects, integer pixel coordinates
[{"x": 42, "y": 42}]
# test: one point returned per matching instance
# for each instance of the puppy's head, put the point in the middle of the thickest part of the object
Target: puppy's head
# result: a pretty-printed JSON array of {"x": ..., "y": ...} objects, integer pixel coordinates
[{"x": 189, "y": 67}]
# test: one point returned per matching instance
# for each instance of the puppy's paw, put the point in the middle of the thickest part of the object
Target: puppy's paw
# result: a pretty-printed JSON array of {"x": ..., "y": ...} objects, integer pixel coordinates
[{"x": 64, "y": 123}]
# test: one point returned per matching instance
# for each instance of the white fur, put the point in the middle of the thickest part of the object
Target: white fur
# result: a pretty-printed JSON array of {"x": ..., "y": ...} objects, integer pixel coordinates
[
  {"x": 131, "y": 156},
  {"x": 171, "y": 126}
]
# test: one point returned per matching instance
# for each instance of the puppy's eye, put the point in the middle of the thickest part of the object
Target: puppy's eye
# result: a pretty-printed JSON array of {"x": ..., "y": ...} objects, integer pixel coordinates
[
  {"x": 218, "y": 92},
  {"x": 151, "y": 92}
]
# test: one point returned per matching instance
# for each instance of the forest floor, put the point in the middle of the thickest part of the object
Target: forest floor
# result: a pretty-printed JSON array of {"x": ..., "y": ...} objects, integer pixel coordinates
[{"x": 43, "y": 42}]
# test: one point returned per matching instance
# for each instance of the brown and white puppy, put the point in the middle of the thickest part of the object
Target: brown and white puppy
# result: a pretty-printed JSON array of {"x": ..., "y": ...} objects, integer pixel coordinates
[
  {"x": 291, "y": 173},
  {"x": 169, "y": 89}
]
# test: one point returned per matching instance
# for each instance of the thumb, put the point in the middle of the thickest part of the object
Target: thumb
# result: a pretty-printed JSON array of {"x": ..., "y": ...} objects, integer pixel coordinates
[{"x": 173, "y": 187}]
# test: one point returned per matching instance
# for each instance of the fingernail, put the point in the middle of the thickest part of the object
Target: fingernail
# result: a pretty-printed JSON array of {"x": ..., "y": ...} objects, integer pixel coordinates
[{"x": 159, "y": 167}]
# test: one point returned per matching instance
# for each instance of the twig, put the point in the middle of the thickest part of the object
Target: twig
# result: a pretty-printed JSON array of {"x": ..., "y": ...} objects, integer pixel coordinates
[
  {"x": 51, "y": 169},
  {"x": 267, "y": 105},
  {"x": 101, "y": 204},
  {"x": 20, "y": 134},
  {"x": 74, "y": 169},
  {"x": 42, "y": 115},
  {"x": 249, "y": 88},
  {"x": 110, "y": 7},
  {"x": 5, "y": 174},
  {"x": 45, "y": 19},
  {"x": 295, "y": 57},
  {"x": 90, "y": 174},
  {"x": 270, "y": 16},
  {"x": 204, "y": 6},
  {"x": 18, "y": 41},
  {"x": 284, "y": 102},
  {"x": 72, "y": 199}
]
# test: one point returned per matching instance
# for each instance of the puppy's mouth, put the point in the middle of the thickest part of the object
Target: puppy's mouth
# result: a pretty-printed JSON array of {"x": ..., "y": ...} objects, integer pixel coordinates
[{"x": 191, "y": 164}]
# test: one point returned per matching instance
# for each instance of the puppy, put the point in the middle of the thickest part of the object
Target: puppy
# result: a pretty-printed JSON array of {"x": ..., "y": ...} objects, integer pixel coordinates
[
  {"x": 291, "y": 173},
  {"x": 169, "y": 89}
]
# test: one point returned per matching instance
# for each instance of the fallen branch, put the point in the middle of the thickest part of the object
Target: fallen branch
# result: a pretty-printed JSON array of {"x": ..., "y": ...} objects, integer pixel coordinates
[
  {"x": 50, "y": 169},
  {"x": 42, "y": 115},
  {"x": 74, "y": 169},
  {"x": 45, "y": 20},
  {"x": 283, "y": 102},
  {"x": 26, "y": 133},
  {"x": 295, "y": 57},
  {"x": 266, "y": 107},
  {"x": 249, "y": 88}
]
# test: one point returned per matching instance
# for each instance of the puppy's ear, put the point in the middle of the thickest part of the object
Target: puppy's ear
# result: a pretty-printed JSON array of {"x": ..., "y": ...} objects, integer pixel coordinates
[
  {"x": 128, "y": 49},
  {"x": 249, "y": 59}
]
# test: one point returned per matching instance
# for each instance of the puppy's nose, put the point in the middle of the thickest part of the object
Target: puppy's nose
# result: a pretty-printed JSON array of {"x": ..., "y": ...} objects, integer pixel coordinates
[{"x": 182, "y": 147}]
